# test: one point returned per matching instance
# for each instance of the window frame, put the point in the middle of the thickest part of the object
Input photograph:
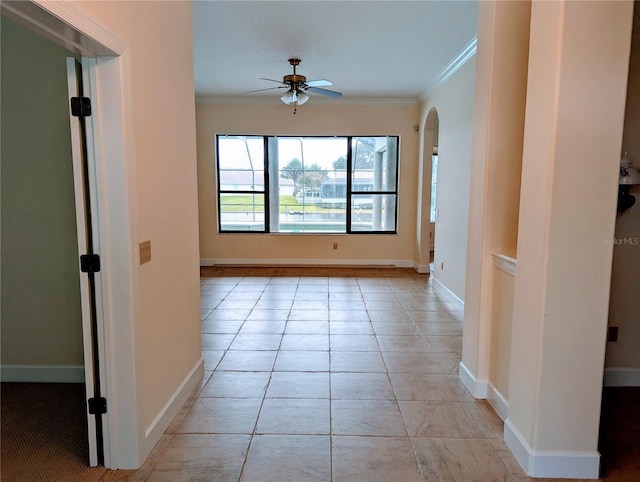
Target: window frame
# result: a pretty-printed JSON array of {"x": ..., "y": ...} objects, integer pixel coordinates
[{"x": 348, "y": 185}]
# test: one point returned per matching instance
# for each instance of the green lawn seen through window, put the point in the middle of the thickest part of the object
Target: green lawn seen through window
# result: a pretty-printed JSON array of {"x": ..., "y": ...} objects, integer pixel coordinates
[{"x": 231, "y": 203}]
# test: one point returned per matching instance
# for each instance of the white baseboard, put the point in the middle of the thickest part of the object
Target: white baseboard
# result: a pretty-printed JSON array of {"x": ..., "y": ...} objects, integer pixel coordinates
[
  {"x": 498, "y": 402},
  {"x": 478, "y": 388},
  {"x": 622, "y": 377},
  {"x": 159, "y": 424},
  {"x": 551, "y": 464},
  {"x": 504, "y": 263},
  {"x": 421, "y": 268},
  {"x": 42, "y": 373},
  {"x": 375, "y": 263},
  {"x": 448, "y": 291}
]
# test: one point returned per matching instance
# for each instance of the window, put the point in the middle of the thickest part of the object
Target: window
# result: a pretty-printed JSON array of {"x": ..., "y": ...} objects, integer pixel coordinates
[{"x": 307, "y": 184}]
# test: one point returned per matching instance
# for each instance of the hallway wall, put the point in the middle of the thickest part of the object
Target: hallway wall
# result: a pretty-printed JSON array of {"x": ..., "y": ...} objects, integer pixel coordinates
[
  {"x": 161, "y": 129},
  {"x": 454, "y": 102}
]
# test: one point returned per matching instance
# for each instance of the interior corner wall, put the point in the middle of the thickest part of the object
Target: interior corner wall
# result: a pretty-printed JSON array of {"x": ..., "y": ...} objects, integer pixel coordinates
[
  {"x": 499, "y": 112},
  {"x": 162, "y": 129},
  {"x": 624, "y": 307},
  {"x": 41, "y": 313},
  {"x": 453, "y": 101},
  {"x": 314, "y": 119}
]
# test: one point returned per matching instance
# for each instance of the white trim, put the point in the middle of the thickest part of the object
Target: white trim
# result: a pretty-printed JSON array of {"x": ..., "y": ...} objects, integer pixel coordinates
[
  {"x": 449, "y": 292},
  {"x": 516, "y": 443},
  {"x": 478, "y": 388},
  {"x": 504, "y": 263},
  {"x": 118, "y": 238},
  {"x": 52, "y": 20},
  {"x": 551, "y": 463},
  {"x": 159, "y": 424},
  {"x": 374, "y": 263},
  {"x": 421, "y": 268},
  {"x": 255, "y": 100},
  {"x": 104, "y": 42},
  {"x": 498, "y": 402},
  {"x": 43, "y": 373},
  {"x": 622, "y": 377}
]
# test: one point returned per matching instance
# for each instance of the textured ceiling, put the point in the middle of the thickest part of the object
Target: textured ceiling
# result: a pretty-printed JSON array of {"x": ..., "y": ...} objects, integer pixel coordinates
[{"x": 372, "y": 49}]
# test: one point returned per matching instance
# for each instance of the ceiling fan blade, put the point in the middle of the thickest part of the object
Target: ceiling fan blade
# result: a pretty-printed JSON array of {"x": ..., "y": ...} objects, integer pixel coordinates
[
  {"x": 262, "y": 90},
  {"x": 272, "y": 80},
  {"x": 318, "y": 83},
  {"x": 328, "y": 93}
]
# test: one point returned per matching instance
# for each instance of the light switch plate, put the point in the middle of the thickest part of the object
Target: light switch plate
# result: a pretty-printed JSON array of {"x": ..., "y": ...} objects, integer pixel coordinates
[{"x": 145, "y": 252}]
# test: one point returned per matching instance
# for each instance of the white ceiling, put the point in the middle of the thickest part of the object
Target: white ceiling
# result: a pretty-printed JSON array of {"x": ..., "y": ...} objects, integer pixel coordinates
[{"x": 368, "y": 49}]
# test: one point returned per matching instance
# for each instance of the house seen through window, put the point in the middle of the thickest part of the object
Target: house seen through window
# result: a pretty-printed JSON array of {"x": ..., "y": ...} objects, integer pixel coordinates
[{"x": 289, "y": 184}]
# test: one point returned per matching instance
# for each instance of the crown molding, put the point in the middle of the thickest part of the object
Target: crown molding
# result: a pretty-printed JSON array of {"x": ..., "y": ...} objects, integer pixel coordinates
[
  {"x": 249, "y": 100},
  {"x": 452, "y": 67}
]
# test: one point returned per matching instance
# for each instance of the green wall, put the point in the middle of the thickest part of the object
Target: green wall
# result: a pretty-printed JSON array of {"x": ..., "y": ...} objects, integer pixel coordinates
[{"x": 41, "y": 321}]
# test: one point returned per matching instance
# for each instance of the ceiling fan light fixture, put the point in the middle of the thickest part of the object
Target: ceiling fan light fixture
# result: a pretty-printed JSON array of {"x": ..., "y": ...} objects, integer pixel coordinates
[
  {"x": 288, "y": 97},
  {"x": 302, "y": 98}
]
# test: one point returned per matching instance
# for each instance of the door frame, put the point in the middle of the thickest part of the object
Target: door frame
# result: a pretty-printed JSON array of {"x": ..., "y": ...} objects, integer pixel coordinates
[{"x": 108, "y": 66}]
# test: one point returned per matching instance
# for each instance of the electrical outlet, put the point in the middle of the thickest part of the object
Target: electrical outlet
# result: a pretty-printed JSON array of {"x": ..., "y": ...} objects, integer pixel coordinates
[
  {"x": 335, "y": 245},
  {"x": 612, "y": 333},
  {"x": 145, "y": 252}
]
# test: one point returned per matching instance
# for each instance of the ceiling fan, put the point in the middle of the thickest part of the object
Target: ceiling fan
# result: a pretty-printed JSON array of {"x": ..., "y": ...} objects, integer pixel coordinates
[{"x": 298, "y": 86}]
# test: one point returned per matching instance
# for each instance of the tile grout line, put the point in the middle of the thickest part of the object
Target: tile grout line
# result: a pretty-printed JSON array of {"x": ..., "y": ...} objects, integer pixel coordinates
[
  {"x": 264, "y": 396},
  {"x": 397, "y": 402}
]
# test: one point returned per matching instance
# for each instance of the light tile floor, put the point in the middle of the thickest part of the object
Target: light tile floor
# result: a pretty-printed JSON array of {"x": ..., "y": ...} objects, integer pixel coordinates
[{"x": 331, "y": 375}]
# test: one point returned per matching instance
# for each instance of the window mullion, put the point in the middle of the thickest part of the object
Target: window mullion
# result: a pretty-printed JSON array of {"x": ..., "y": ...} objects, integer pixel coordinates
[
  {"x": 267, "y": 191},
  {"x": 348, "y": 183}
]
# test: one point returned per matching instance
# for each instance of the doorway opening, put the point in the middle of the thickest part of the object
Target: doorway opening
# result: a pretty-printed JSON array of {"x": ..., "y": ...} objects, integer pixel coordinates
[
  {"x": 429, "y": 197},
  {"x": 43, "y": 355},
  {"x": 67, "y": 26},
  {"x": 620, "y": 414}
]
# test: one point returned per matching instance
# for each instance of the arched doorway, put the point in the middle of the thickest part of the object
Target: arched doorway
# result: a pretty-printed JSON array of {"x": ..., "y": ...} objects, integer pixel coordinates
[{"x": 428, "y": 205}]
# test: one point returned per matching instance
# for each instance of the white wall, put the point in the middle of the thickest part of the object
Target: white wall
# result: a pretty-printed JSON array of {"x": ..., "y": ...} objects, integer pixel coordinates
[
  {"x": 453, "y": 101},
  {"x": 313, "y": 118},
  {"x": 41, "y": 318}
]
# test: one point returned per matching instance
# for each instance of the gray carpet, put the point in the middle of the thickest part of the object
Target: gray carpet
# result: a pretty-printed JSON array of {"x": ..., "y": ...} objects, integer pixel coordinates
[{"x": 44, "y": 433}]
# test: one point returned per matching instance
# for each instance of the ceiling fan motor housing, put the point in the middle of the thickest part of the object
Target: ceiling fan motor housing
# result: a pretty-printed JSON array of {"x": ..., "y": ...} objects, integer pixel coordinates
[{"x": 295, "y": 80}]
